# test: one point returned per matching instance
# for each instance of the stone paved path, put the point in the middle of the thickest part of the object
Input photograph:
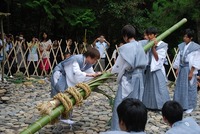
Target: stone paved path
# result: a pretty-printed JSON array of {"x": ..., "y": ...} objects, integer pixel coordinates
[{"x": 91, "y": 118}]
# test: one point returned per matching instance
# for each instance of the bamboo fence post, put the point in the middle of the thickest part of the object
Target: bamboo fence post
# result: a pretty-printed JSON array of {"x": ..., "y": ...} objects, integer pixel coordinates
[
  {"x": 14, "y": 58},
  {"x": 171, "y": 64},
  {"x": 109, "y": 60},
  {"x": 76, "y": 48},
  {"x": 116, "y": 47},
  {"x": 59, "y": 44}
]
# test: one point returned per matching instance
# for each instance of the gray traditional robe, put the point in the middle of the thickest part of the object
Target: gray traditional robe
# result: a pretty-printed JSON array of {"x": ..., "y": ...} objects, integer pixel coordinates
[
  {"x": 155, "y": 88},
  {"x": 61, "y": 85},
  {"x": 143, "y": 42},
  {"x": 186, "y": 90},
  {"x": 185, "y": 126},
  {"x": 129, "y": 65}
]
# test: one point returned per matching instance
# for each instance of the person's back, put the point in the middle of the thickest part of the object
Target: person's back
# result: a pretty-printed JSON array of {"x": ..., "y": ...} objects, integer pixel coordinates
[
  {"x": 172, "y": 113},
  {"x": 132, "y": 115},
  {"x": 129, "y": 65}
]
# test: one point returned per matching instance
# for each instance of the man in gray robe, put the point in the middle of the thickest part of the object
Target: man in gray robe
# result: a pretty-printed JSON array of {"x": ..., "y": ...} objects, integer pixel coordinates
[
  {"x": 187, "y": 64},
  {"x": 129, "y": 65},
  {"x": 172, "y": 113},
  {"x": 75, "y": 69},
  {"x": 155, "y": 88}
]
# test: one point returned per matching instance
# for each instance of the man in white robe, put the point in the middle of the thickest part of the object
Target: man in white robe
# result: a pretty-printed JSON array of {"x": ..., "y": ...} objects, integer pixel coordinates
[
  {"x": 129, "y": 65},
  {"x": 73, "y": 70},
  {"x": 187, "y": 64},
  {"x": 155, "y": 88}
]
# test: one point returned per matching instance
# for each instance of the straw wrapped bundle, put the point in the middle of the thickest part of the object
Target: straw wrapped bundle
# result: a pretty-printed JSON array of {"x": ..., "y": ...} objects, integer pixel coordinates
[{"x": 52, "y": 109}]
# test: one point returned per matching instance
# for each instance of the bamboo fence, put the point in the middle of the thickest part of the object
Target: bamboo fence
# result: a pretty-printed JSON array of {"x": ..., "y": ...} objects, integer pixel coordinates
[{"x": 16, "y": 58}]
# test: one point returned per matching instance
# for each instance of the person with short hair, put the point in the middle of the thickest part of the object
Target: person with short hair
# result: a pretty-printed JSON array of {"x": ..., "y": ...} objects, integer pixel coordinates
[
  {"x": 129, "y": 66},
  {"x": 155, "y": 87},
  {"x": 102, "y": 45},
  {"x": 75, "y": 69},
  {"x": 172, "y": 113},
  {"x": 132, "y": 115},
  {"x": 187, "y": 64},
  {"x": 67, "y": 54}
]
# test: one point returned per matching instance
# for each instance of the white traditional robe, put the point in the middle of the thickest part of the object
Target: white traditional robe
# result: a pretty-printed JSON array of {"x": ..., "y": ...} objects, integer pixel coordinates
[
  {"x": 155, "y": 88},
  {"x": 194, "y": 61},
  {"x": 186, "y": 90},
  {"x": 70, "y": 72},
  {"x": 129, "y": 66}
]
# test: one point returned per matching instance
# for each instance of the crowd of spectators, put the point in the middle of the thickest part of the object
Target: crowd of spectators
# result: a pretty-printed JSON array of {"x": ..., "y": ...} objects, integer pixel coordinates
[{"x": 35, "y": 57}]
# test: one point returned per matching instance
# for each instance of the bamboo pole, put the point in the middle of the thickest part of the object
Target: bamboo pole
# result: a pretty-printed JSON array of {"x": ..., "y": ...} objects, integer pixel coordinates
[
  {"x": 166, "y": 33},
  {"x": 44, "y": 120}
]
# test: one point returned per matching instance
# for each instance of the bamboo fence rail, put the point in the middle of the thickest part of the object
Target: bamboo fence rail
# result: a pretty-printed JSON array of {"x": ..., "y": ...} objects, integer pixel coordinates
[{"x": 13, "y": 64}]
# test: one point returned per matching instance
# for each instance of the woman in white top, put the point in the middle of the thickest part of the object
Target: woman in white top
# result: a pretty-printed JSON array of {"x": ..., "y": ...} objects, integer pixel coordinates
[
  {"x": 44, "y": 48},
  {"x": 33, "y": 55}
]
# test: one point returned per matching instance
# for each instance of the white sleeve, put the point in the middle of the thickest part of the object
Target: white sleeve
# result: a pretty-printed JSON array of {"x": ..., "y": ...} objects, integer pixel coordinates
[
  {"x": 106, "y": 46},
  {"x": 118, "y": 65},
  {"x": 90, "y": 70},
  {"x": 194, "y": 60},
  {"x": 177, "y": 61},
  {"x": 79, "y": 76},
  {"x": 56, "y": 76},
  {"x": 114, "y": 54},
  {"x": 156, "y": 65},
  {"x": 50, "y": 42}
]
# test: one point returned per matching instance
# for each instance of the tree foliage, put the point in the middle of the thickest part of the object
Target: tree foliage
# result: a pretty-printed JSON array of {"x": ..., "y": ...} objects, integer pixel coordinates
[
  {"x": 165, "y": 13},
  {"x": 69, "y": 19}
]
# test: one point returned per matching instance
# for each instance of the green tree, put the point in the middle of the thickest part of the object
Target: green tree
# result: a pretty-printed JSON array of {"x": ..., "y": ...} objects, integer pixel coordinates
[
  {"x": 64, "y": 15},
  {"x": 165, "y": 13}
]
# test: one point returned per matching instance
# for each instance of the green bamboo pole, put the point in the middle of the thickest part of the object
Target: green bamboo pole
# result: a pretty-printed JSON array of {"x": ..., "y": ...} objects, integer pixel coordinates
[
  {"x": 166, "y": 33},
  {"x": 44, "y": 120}
]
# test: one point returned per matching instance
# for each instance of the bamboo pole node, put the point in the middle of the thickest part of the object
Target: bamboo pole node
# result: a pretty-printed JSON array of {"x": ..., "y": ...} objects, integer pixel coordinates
[
  {"x": 29, "y": 131},
  {"x": 38, "y": 124}
]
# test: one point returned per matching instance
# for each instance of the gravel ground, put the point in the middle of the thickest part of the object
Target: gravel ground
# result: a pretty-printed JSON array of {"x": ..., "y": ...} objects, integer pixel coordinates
[{"x": 17, "y": 110}]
